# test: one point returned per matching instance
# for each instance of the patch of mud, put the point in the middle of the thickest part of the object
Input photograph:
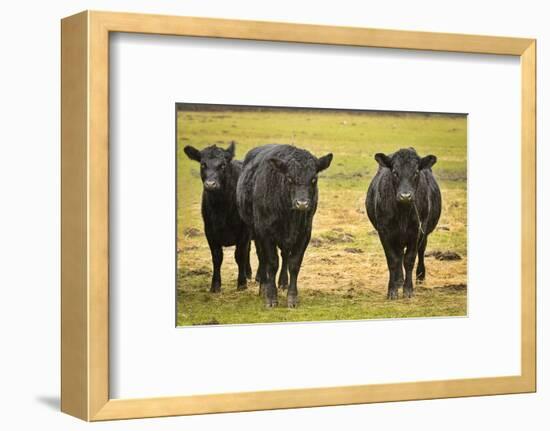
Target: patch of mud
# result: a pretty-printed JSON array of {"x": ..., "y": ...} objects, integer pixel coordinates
[
  {"x": 452, "y": 287},
  {"x": 192, "y": 232},
  {"x": 348, "y": 175},
  {"x": 198, "y": 271},
  {"x": 187, "y": 248},
  {"x": 443, "y": 255},
  {"x": 335, "y": 236},
  {"x": 353, "y": 250},
  {"x": 316, "y": 242},
  {"x": 351, "y": 293},
  {"x": 421, "y": 289},
  {"x": 327, "y": 260},
  {"x": 209, "y": 322}
]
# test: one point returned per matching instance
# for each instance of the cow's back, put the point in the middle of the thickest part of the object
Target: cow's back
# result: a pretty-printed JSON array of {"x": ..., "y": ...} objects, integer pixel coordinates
[
  {"x": 379, "y": 201},
  {"x": 433, "y": 193},
  {"x": 245, "y": 185}
]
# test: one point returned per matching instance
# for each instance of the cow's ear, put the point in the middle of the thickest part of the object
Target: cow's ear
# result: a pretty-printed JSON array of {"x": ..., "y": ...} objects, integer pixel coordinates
[
  {"x": 427, "y": 162},
  {"x": 383, "y": 160},
  {"x": 324, "y": 162},
  {"x": 192, "y": 153},
  {"x": 279, "y": 164},
  {"x": 231, "y": 150}
]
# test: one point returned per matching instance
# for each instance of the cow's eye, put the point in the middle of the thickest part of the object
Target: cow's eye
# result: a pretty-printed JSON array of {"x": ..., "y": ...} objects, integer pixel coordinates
[{"x": 313, "y": 180}]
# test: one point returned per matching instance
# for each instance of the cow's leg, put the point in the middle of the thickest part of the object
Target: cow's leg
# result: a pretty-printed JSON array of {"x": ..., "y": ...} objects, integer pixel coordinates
[
  {"x": 259, "y": 271},
  {"x": 241, "y": 257},
  {"x": 408, "y": 263},
  {"x": 270, "y": 260},
  {"x": 248, "y": 267},
  {"x": 394, "y": 259},
  {"x": 294, "y": 264},
  {"x": 283, "y": 275},
  {"x": 217, "y": 259},
  {"x": 420, "y": 268}
]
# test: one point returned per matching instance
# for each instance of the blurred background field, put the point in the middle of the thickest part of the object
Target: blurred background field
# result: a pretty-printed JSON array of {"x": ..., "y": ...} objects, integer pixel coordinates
[{"x": 344, "y": 274}]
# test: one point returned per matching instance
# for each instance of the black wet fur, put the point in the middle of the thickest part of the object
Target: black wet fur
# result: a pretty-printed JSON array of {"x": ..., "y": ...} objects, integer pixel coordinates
[
  {"x": 404, "y": 181},
  {"x": 222, "y": 224},
  {"x": 277, "y": 198}
]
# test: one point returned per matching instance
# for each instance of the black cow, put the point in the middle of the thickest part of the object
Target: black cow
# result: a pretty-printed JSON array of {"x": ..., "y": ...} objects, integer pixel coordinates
[
  {"x": 277, "y": 198},
  {"x": 404, "y": 204},
  {"x": 222, "y": 224}
]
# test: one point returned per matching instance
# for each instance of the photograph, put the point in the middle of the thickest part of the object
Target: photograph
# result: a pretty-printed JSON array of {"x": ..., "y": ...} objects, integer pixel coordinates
[{"x": 291, "y": 214}]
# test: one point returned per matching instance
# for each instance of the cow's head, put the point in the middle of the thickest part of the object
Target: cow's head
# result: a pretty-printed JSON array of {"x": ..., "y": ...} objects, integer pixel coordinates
[
  {"x": 405, "y": 166},
  {"x": 214, "y": 162},
  {"x": 300, "y": 175}
]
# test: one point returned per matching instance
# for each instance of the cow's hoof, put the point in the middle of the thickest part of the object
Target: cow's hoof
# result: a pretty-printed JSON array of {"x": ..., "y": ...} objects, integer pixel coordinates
[
  {"x": 292, "y": 301},
  {"x": 283, "y": 286},
  {"x": 271, "y": 302},
  {"x": 393, "y": 294},
  {"x": 242, "y": 286},
  {"x": 408, "y": 293}
]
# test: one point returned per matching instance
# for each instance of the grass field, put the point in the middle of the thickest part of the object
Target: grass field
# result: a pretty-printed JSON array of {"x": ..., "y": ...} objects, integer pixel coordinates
[{"x": 344, "y": 273}]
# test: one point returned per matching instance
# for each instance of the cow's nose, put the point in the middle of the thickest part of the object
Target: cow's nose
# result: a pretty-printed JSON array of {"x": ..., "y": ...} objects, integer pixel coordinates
[
  {"x": 210, "y": 184},
  {"x": 302, "y": 204},
  {"x": 405, "y": 197}
]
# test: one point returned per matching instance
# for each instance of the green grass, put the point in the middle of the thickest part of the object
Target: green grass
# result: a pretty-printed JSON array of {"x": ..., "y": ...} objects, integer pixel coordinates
[{"x": 345, "y": 252}]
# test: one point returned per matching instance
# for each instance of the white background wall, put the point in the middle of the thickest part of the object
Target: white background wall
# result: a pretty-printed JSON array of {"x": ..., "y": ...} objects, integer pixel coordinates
[{"x": 30, "y": 199}]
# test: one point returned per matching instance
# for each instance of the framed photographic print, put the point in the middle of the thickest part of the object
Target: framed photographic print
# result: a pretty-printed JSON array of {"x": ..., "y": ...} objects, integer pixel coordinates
[{"x": 263, "y": 215}]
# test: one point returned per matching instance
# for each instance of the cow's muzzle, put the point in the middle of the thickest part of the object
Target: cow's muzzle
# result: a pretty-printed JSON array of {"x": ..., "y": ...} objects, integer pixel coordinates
[
  {"x": 405, "y": 198},
  {"x": 302, "y": 204},
  {"x": 211, "y": 185}
]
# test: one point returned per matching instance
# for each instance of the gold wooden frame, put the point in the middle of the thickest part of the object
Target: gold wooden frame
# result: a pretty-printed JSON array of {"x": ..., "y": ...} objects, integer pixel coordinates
[{"x": 85, "y": 224}]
